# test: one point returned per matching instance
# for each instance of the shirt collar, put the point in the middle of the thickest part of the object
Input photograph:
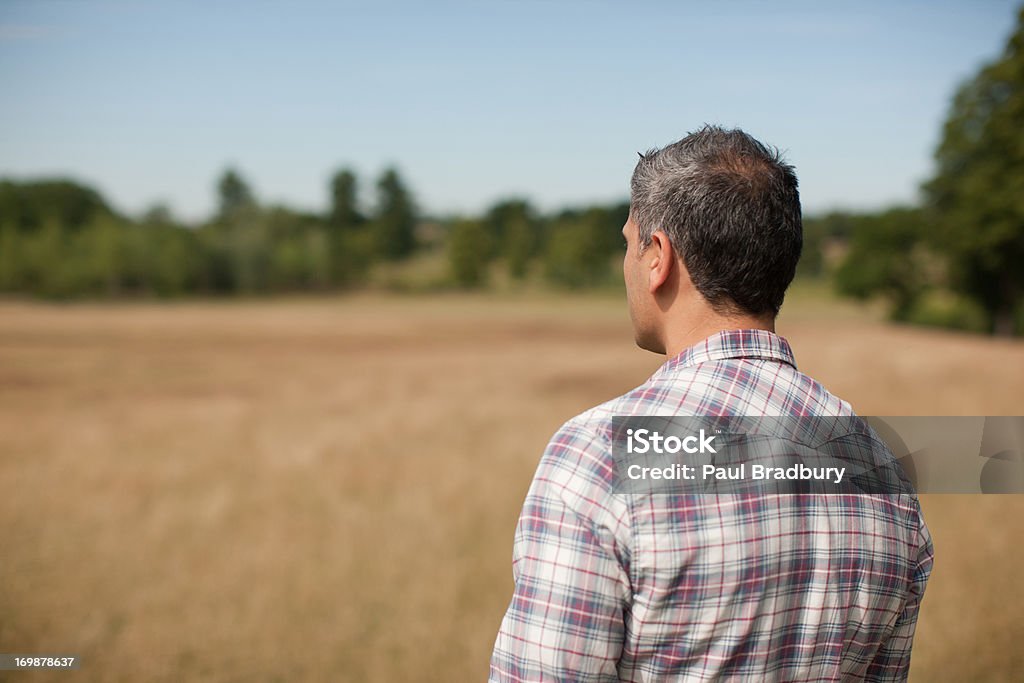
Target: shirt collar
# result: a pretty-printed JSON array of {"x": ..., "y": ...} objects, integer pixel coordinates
[{"x": 747, "y": 344}]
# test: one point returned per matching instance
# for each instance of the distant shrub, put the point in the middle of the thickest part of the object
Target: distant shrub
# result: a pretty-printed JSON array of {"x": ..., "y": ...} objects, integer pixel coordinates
[
  {"x": 941, "y": 309},
  {"x": 469, "y": 249},
  {"x": 576, "y": 256}
]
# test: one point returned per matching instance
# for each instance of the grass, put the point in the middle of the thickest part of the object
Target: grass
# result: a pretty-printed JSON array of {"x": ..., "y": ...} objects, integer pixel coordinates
[{"x": 326, "y": 488}]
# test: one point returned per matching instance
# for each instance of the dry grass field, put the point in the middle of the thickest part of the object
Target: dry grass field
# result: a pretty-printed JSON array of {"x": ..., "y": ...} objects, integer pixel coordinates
[{"x": 327, "y": 489}]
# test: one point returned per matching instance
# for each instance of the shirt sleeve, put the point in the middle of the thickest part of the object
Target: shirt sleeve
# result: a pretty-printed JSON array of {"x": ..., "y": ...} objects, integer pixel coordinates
[
  {"x": 566, "y": 621},
  {"x": 892, "y": 662}
]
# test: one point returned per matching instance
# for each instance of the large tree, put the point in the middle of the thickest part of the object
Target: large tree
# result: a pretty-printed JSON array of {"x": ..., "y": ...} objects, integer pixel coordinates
[
  {"x": 885, "y": 256},
  {"x": 344, "y": 215},
  {"x": 514, "y": 233},
  {"x": 394, "y": 224},
  {"x": 346, "y": 241},
  {"x": 233, "y": 193},
  {"x": 977, "y": 194},
  {"x": 238, "y": 243},
  {"x": 28, "y": 206}
]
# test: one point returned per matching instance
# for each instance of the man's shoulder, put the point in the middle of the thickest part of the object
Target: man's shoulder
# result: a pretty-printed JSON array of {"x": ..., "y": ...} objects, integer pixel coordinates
[
  {"x": 587, "y": 436},
  {"x": 694, "y": 391},
  {"x": 582, "y": 445},
  {"x": 595, "y": 423}
]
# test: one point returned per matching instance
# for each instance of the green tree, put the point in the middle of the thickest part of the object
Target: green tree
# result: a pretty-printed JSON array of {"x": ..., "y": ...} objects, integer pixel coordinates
[
  {"x": 887, "y": 256},
  {"x": 173, "y": 259},
  {"x": 823, "y": 236},
  {"x": 12, "y": 261},
  {"x": 394, "y": 224},
  {"x": 169, "y": 252},
  {"x": 69, "y": 205},
  {"x": 577, "y": 253},
  {"x": 977, "y": 194},
  {"x": 607, "y": 222},
  {"x": 298, "y": 254},
  {"x": 158, "y": 214},
  {"x": 48, "y": 271},
  {"x": 237, "y": 240},
  {"x": 469, "y": 248},
  {"x": 346, "y": 239},
  {"x": 105, "y": 244},
  {"x": 233, "y": 193},
  {"x": 344, "y": 213},
  {"x": 520, "y": 244},
  {"x": 514, "y": 229},
  {"x": 812, "y": 258}
]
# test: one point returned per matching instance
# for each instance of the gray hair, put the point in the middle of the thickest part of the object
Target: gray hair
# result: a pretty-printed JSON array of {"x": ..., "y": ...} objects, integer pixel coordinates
[{"x": 730, "y": 207}]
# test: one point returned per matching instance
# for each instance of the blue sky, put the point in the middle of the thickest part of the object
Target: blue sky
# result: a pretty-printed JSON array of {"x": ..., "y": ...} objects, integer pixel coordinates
[{"x": 475, "y": 101}]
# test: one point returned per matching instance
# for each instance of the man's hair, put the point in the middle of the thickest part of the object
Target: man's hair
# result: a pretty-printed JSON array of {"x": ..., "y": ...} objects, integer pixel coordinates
[{"x": 730, "y": 207}]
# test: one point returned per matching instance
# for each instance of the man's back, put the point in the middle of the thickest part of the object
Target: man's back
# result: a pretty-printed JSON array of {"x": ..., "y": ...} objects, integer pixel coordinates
[{"x": 611, "y": 586}]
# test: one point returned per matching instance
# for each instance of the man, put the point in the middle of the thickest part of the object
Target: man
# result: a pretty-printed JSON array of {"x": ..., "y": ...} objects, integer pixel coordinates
[{"x": 635, "y": 587}]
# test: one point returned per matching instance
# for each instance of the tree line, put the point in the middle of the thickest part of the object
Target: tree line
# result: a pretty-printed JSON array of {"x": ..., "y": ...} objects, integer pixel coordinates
[
  {"x": 61, "y": 239},
  {"x": 956, "y": 259}
]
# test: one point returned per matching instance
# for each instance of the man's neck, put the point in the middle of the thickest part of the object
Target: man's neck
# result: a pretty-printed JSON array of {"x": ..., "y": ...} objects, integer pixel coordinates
[{"x": 696, "y": 328}]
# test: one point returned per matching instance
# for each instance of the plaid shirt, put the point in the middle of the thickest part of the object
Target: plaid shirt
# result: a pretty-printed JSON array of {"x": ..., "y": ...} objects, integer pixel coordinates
[{"x": 612, "y": 587}]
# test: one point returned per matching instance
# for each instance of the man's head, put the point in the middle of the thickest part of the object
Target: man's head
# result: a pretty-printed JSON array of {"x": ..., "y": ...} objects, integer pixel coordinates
[{"x": 714, "y": 231}]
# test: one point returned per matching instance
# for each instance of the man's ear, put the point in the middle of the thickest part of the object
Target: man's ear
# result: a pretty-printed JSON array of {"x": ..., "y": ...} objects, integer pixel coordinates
[{"x": 662, "y": 262}]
